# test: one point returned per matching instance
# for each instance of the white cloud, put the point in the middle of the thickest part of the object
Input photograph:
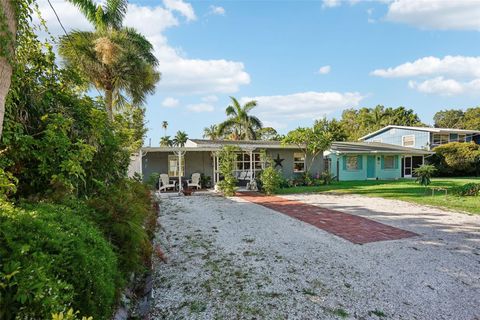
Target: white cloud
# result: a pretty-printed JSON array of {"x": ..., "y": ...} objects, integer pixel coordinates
[
  {"x": 216, "y": 10},
  {"x": 210, "y": 98},
  {"x": 182, "y": 7},
  {"x": 451, "y": 75},
  {"x": 200, "y": 107},
  {"x": 445, "y": 87},
  {"x": 281, "y": 109},
  {"x": 180, "y": 75},
  {"x": 170, "y": 102},
  {"x": 331, "y": 3},
  {"x": 436, "y": 14},
  {"x": 450, "y": 65},
  {"x": 324, "y": 70}
]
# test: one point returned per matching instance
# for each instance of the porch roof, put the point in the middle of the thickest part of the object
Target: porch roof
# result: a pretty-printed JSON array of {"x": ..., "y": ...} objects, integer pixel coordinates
[{"x": 374, "y": 147}]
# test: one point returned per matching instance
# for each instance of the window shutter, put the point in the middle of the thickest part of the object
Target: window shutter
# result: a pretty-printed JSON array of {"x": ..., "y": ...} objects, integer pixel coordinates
[
  {"x": 359, "y": 161},
  {"x": 396, "y": 162},
  {"x": 344, "y": 160},
  {"x": 383, "y": 162}
]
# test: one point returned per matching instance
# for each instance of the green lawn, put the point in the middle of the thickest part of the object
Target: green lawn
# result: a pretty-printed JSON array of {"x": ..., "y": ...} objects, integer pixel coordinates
[{"x": 404, "y": 189}]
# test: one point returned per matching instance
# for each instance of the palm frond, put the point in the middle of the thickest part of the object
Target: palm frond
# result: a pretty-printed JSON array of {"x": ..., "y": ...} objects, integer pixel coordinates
[
  {"x": 115, "y": 12},
  {"x": 88, "y": 8}
]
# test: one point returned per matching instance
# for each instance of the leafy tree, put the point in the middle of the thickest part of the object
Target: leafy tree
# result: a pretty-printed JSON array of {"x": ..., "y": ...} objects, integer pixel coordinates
[
  {"x": 424, "y": 173},
  {"x": 211, "y": 132},
  {"x": 312, "y": 141},
  {"x": 268, "y": 134},
  {"x": 226, "y": 158},
  {"x": 240, "y": 123},
  {"x": 449, "y": 119},
  {"x": 471, "y": 119},
  {"x": 115, "y": 59},
  {"x": 180, "y": 139},
  {"x": 166, "y": 141},
  {"x": 334, "y": 127}
]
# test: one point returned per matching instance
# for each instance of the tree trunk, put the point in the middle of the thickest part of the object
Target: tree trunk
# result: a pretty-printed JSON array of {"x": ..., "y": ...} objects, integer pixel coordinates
[
  {"x": 109, "y": 103},
  {"x": 6, "y": 8}
]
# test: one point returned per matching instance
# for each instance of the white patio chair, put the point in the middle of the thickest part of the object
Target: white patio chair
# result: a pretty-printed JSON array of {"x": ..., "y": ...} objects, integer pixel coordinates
[
  {"x": 195, "y": 181},
  {"x": 165, "y": 182}
]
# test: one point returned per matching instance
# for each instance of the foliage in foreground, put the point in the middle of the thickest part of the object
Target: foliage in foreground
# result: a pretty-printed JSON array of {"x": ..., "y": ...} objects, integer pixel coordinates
[
  {"x": 457, "y": 159},
  {"x": 52, "y": 259},
  {"x": 271, "y": 180},
  {"x": 227, "y": 159},
  {"x": 424, "y": 174}
]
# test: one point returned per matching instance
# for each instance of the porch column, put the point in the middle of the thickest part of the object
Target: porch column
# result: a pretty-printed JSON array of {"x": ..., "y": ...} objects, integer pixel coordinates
[
  {"x": 214, "y": 176},
  {"x": 251, "y": 166}
]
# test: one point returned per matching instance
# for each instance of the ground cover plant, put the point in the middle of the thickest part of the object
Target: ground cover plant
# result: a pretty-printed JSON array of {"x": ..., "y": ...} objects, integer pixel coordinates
[{"x": 404, "y": 189}]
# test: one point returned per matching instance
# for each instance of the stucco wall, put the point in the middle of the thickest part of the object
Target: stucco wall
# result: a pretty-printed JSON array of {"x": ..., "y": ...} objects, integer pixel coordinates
[
  {"x": 394, "y": 136},
  {"x": 361, "y": 174},
  {"x": 287, "y": 163}
]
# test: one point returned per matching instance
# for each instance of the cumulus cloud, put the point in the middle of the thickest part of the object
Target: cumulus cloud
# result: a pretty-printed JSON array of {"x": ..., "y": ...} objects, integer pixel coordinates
[
  {"x": 170, "y": 102},
  {"x": 451, "y": 75},
  {"x": 281, "y": 109},
  {"x": 182, "y": 7},
  {"x": 200, "y": 107},
  {"x": 436, "y": 14},
  {"x": 180, "y": 75},
  {"x": 324, "y": 70},
  {"x": 216, "y": 10},
  {"x": 210, "y": 98}
]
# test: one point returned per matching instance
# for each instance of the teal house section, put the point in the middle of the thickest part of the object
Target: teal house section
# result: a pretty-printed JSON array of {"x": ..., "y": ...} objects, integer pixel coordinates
[{"x": 364, "y": 161}]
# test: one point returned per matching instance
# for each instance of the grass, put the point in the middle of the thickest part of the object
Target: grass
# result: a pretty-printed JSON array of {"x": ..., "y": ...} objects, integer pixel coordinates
[{"x": 404, "y": 189}]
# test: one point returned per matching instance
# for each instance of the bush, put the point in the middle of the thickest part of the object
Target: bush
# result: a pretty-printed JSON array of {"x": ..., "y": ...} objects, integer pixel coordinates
[
  {"x": 327, "y": 177},
  {"x": 457, "y": 159},
  {"x": 469, "y": 189},
  {"x": 52, "y": 259},
  {"x": 424, "y": 173},
  {"x": 127, "y": 218},
  {"x": 271, "y": 180},
  {"x": 227, "y": 159}
]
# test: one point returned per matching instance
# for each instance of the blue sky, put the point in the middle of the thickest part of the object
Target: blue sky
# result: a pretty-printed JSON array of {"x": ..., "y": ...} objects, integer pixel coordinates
[{"x": 302, "y": 59}]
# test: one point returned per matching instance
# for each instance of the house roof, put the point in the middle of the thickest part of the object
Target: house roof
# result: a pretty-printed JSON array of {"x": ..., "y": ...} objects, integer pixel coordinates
[
  {"x": 375, "y": 148},
  {"x": 215, "y": 145},
  {"x": 424, "y": 129}
]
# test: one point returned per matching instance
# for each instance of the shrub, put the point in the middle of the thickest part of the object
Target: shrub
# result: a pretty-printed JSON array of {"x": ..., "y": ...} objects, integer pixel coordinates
[
  {"x": 122, "y": 214},
  {"x": 457, "y": 159},
  {"x": 227, "y": 158},
  {"x": 52, "y": 259},
  {"x": 271, "y": 179},
  {"x": 327, "y": 177},
  {"x": 469, "y": 189},
  {"x": 424, "y": 173},
  {"x": 152, "y": 181}
]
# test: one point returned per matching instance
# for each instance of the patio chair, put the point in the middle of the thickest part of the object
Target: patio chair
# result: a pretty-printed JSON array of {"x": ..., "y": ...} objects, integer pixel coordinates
[
  {"x": 195, "y": 181},
  {"x": 165, "y": 183}
]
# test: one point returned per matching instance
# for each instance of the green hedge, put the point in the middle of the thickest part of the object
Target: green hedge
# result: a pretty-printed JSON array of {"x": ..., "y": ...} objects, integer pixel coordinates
[{"x": 52, "y": 259}]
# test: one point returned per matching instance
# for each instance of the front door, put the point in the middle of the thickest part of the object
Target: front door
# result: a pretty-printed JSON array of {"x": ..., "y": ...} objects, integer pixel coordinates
[
  {"x": 407, "y": 168},
  {"x": 370, "y": 167}
]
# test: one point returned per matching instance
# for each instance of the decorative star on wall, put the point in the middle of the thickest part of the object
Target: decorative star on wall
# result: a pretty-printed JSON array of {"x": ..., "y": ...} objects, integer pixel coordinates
[{"x": 278, "y": 161}]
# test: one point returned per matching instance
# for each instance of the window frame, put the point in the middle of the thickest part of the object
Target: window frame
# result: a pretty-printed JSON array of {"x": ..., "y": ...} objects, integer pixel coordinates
[
  {"x": 302, "y": 162},
  {"x": 385, "y": 162},
  {"x": 409, "y": 136},
  {"x": 182, "y": 165},
  {"x": 441, "y": 140},
  {"x": 348, "y": 164}
]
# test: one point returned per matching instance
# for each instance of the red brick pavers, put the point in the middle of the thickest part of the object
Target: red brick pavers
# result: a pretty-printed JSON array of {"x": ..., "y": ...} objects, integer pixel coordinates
[{"x": 350, "y": 227}]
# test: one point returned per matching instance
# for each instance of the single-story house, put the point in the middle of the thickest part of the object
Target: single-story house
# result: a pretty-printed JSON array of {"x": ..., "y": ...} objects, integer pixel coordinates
[
  {"x": 421, "y": 137},
  {"x": 201, "y": 156},
  {"x": 373, "y": 160}
]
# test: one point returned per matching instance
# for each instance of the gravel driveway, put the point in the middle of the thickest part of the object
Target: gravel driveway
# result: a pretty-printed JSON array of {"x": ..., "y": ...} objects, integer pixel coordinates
[{"x": 231, "y": 259}]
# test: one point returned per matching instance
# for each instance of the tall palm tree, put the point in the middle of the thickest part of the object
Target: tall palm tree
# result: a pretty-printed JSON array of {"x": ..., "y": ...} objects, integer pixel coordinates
[
  {"x": 115, "y": 59},
  {"x": 180, "y": 139},
  {"x": 166, "y": 141},
  {"x": 165, "y": 126},
  {"x": 7, "y": 12},
  {"x": 211, "y": 132},
  {"x": 240, "y": 123}
]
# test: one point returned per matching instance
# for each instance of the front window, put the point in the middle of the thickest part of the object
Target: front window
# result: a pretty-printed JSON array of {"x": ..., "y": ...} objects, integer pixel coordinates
[
  {"x": 352, "y": 163},
  {"x": 298, "y": 162},
  {"x": 408, "y": 141},
  {"x": 243, "y": 162},
  {"x": 173, "y": 168},
  {"x": 389, "y": 162},
  {"x": 439, "y": 138}
]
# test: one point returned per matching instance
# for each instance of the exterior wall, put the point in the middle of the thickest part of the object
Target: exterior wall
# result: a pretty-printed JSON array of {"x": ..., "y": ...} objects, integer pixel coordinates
[
  {"x": 394, "y": 136},
  {"x": 287, "y": 163},
  {"x": 195, "y": 161},
  {"x": 361, "y": 174},
  {"x": 135, "y": 166}
]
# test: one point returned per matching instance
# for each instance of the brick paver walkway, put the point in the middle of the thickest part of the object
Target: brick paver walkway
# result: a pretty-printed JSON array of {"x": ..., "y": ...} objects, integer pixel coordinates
[{"x": 353, "y": 228}]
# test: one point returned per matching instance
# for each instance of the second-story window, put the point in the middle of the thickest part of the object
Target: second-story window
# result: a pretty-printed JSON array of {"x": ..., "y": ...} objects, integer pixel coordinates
[
  {"x": 408, "y": 141},
  {"x": 440, "y": 138}
]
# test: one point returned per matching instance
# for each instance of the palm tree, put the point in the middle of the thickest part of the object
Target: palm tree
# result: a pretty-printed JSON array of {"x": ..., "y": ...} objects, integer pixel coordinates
[
  {"x": 211, "y": 132},
  {"x": 165, "y": 126},
  {"x": 240, "y": 123},
  {"x": 166, "y": 141},
  {"x": 377, "y": 117},
  {"x": 180, "y": 139},
  {"x": 7, "y": 12},
  {"x": 115, "y": 59}
]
